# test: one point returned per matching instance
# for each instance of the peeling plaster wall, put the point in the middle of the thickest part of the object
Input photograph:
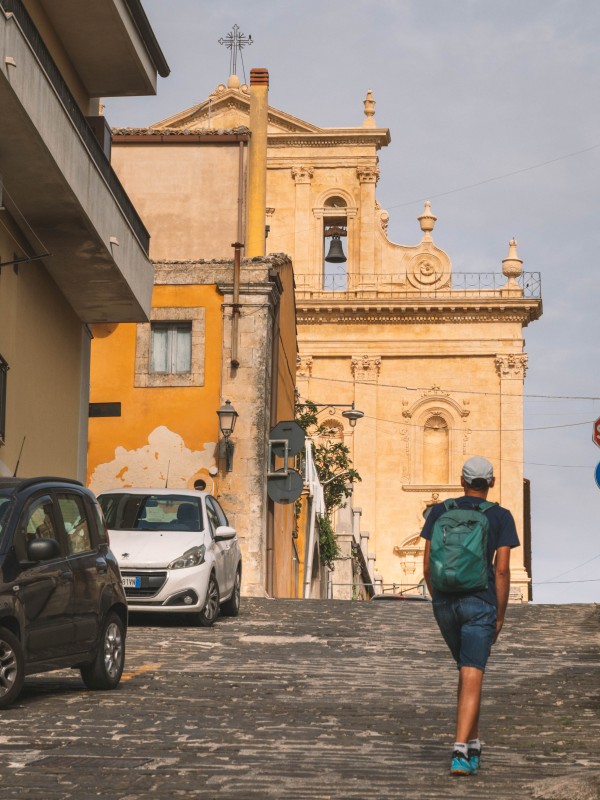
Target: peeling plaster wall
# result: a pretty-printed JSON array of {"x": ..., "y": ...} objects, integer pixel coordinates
[{"x": 164, "y": 461}]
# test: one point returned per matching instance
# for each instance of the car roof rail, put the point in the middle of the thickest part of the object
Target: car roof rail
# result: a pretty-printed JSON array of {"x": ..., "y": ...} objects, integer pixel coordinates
[{"x": 27, "y": 482}]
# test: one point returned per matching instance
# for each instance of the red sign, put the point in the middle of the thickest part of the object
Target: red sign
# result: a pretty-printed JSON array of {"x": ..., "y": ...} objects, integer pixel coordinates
[{"x": 596, "y": 434}]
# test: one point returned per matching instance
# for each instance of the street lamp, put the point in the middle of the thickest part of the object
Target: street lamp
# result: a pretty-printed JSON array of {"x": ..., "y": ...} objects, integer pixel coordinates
[
  {"x": 351, "y": 414},
  {"x": 227, "y": 419}
]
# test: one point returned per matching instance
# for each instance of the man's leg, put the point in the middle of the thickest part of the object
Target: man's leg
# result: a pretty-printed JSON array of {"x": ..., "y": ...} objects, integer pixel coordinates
[{"x": 469, "y": 702}]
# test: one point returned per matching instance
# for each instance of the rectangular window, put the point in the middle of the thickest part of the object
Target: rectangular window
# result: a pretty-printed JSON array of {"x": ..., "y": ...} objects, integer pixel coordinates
[
  {"x": 3, "y": 372},
  {"x": 171, "y": 347},
  {"x": 75, "y": 522}
]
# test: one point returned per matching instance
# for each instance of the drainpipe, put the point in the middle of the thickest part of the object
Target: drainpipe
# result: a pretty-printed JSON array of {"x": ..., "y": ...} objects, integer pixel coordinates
[
  {"x": 235, "y": 306},
  {"x": 257, "y": 165}
]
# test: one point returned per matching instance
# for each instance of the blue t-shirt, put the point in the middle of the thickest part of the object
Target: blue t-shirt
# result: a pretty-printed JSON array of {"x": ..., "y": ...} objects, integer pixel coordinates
[{"x": 503, "y": 533}]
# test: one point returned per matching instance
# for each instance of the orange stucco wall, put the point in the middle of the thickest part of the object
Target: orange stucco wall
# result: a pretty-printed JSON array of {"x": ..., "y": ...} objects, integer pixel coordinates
[{"x": 186, "y": 412}]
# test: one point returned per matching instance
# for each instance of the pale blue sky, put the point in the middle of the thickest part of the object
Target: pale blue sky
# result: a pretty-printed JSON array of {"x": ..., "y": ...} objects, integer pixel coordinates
[{"x": 470, "y": 91}]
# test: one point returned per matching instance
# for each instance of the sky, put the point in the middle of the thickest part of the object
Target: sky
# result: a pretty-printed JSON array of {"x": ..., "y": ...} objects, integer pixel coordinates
[{"x": 494, "y": 117}]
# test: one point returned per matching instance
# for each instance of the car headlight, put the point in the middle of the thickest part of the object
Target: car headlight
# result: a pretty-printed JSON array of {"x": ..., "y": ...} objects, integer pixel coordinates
[{"x": 191, "y": 558}]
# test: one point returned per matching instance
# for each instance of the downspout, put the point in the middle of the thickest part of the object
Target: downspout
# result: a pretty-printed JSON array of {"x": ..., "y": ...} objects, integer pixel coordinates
[{"x": 235, "y": 308}]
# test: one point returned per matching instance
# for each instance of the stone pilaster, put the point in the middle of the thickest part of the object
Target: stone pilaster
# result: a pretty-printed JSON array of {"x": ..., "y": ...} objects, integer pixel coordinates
[
  {"x": 302, "y": 177},
  {"x": 365, "y": 372},
  {"x": 511, "y": 370},
  {"x": 367, "y": 178}
]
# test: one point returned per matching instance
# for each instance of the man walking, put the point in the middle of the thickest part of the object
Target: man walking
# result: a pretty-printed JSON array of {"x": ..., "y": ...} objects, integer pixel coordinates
[{"x": 469, "y": 619}]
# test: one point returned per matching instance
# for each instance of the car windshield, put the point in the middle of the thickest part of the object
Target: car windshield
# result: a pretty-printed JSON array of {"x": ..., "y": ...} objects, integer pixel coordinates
[{"x": 151, "y": 512}]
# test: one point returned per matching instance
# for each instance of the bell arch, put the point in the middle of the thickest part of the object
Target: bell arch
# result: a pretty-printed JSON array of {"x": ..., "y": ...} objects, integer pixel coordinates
[{"x": 334, "y": 213}]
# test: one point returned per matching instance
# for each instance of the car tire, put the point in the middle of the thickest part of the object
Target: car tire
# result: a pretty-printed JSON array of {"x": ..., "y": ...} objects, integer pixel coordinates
[
  {"x": 105, "y": 671},
  {"x": 210, "y": 611},
  {"x": 12, "y": 667},
  {"x": 231, "y": 607}
]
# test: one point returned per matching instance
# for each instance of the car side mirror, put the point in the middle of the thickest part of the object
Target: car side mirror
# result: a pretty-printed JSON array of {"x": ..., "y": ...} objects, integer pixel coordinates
[
  {"x": 42, "y": 549},
  {"x": 223, "y": 533}
]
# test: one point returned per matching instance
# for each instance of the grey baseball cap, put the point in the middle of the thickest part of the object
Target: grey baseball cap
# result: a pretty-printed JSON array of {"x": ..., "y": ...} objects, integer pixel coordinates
[{"x": 477, "y": 467}]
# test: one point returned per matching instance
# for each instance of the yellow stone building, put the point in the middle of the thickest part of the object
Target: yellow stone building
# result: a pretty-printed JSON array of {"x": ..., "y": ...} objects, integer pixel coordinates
[
  {"x": 219, "y": 330},
  {"x": 433, "y": 356}
]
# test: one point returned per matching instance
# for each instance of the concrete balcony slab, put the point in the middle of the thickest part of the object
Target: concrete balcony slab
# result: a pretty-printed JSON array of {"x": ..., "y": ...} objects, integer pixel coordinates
[{"x": 57, "y": 178}]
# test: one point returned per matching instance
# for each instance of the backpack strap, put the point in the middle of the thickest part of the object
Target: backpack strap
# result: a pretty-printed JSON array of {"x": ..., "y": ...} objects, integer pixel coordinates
[
  {"x": 486, "y": 505},
  {"x": 450, "y": 504}
]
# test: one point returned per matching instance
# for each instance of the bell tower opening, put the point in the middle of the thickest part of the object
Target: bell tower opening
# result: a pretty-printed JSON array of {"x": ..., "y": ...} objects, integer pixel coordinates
[{"x": 335, "y": 245}]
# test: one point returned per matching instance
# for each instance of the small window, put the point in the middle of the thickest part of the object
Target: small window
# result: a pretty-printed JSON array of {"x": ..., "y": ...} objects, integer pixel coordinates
[
  {"x": 100, "y": 523},
  {"x": 37, "y": 522},
  {"x": 213, "y": 519},
  {"x": 212, "y": 503},
  {"x": 76, "y": 524},
  {"x": 171, "y": 347},
  {"x": 3, "y": 372}
]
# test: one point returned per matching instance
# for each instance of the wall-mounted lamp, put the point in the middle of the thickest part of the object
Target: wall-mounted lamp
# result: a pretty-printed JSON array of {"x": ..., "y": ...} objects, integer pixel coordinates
[
  {"x": 351, "y": 414},
  {"x": 227, "y": 419}
]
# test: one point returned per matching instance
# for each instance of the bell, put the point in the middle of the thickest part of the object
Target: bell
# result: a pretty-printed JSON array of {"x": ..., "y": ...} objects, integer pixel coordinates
[{"x": 336, "y": 253}]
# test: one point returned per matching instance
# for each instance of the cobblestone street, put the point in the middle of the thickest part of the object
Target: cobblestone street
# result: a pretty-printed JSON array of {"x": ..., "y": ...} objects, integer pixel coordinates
[{"x": 315, "y": 699}]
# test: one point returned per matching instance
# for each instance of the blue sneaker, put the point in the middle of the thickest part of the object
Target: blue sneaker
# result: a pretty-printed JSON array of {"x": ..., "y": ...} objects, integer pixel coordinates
[
  {"x": 474, "y": 760},
  {"x": 461, "y": 764}
]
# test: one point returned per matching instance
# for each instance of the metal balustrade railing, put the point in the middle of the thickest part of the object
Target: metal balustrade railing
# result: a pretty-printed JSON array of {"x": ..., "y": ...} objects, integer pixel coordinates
[
  {"x": 459, "y": 284},
  {"x": 77, "y": 117}
]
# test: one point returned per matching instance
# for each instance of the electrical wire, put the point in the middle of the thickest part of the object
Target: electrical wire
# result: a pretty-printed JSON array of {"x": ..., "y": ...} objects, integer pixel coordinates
[
  {"x": 566, "y": 572},
  {"x": 457, "y": 391},
  {"x": 497, "y": 177}
]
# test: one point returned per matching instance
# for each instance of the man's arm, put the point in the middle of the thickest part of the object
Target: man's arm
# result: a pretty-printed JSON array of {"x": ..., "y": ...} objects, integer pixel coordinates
[
  {"x": 502, "y": 569},
  {"x": 426, "y": 572}
]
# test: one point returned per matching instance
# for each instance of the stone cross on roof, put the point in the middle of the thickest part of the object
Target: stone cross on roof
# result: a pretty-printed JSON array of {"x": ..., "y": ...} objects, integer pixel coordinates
[{"x": 235, "y": 41}]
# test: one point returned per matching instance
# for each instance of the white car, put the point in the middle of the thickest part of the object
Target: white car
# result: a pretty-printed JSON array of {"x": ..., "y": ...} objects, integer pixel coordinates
[{"x": 176, "y": 551}]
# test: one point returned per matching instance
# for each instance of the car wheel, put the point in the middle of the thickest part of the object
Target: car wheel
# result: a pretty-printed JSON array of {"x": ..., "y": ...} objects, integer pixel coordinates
[
  {"x": 12, "y": 667},
  {"x": 105, "y": 671},
  {"x": 231, "y": 607},
  {"x": 210, "y": 612}
]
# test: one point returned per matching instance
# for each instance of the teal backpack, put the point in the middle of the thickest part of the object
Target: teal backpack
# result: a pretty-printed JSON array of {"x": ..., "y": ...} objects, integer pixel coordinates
[{"x": 458, "y": 558}]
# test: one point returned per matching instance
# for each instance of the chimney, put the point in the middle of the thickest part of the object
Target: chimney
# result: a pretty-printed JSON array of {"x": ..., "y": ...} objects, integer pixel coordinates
[{"x": 257, "y": 163}]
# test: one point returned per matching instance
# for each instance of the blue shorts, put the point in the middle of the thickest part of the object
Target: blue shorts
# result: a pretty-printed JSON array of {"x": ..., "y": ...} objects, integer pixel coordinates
[{"x": 468, "y": 624}]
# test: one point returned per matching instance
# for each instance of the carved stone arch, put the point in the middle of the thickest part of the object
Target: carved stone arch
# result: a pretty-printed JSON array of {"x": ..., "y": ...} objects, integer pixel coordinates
[
  {"x": 436, "y": 404},
  {"x": 335, "y": 191},
  {"x": 334, "y": 429}
]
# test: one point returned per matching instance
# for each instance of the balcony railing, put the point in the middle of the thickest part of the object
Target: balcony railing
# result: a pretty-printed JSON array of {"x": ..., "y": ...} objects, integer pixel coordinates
[
  {"x": 459, "y": 285},
  {"x": 77, "y": 117}
]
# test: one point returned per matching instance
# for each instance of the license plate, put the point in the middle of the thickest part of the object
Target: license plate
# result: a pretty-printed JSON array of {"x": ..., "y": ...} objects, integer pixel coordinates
[{"x": 132, "y": 581}]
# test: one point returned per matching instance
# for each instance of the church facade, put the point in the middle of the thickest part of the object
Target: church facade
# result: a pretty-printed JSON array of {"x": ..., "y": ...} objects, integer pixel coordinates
[{"x": 433, "y": 356}]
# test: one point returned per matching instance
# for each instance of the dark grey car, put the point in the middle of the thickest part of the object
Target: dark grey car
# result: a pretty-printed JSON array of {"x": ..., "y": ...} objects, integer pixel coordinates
[{"x": 62, "y": 603}]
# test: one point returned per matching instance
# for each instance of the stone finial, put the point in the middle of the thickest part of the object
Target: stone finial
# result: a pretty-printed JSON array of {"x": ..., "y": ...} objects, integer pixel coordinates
[
  {"x": 512, "y": 266},
  {"x": 233, "y": 82},
  {"x": 427, "y": 221},
  {"x": 369, "y": 104}
]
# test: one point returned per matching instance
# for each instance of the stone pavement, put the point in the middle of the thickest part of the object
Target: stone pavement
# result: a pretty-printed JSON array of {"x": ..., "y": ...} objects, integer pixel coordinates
[{"x": 299, "y": 700}]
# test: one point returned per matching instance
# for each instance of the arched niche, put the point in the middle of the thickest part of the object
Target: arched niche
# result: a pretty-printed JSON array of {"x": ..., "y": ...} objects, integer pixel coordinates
[{"x": 437, "y": 434}]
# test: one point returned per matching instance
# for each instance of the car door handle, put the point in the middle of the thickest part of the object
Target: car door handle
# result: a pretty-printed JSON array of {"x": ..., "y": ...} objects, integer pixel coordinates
[{"x": 66, "y": 576}]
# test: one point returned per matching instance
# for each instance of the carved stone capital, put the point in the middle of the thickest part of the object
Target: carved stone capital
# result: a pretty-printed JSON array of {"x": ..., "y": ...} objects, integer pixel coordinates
[
  {"x": 366, "y": 367},
  {"x": 367, "y": 174},
  {"x": 511, "y": 366},
  {"x": 302, "y": 174},
  {"x": 304, "y": 366}
]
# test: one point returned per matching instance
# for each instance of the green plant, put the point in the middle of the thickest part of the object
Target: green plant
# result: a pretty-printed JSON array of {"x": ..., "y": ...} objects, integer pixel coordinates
[{"x": 336, "y": 473}]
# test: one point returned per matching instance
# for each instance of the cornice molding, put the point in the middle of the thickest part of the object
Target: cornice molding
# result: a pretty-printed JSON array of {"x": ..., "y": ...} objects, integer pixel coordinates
[{"x": 352, "y": 315}]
